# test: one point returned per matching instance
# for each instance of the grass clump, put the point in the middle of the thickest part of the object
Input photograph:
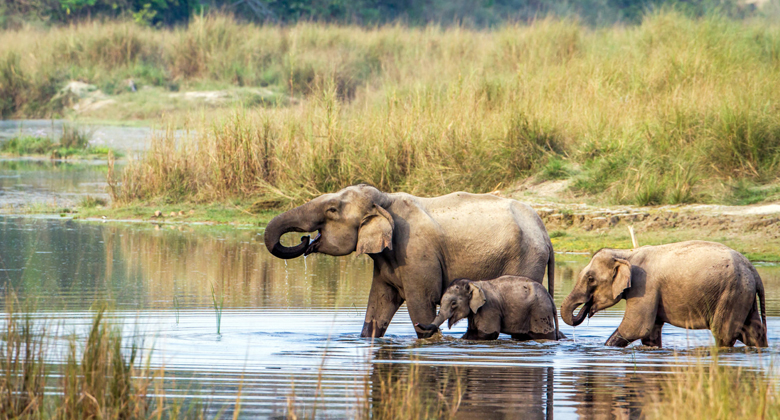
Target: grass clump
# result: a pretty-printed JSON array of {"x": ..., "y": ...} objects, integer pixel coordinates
[
  {"x": 23, "y": 374},
  {"x": 645, "y": 118},
  {"x": 73, "y": 143},
  {"x": 90, "y": 202},
  {"x": 100, "y": 381},
  {"x": 101, "y": 377},
  {"x": 713, "y": 390}
]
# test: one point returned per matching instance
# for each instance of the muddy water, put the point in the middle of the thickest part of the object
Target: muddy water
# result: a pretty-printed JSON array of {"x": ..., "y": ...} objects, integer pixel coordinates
[{"x": 290, "y": 330}]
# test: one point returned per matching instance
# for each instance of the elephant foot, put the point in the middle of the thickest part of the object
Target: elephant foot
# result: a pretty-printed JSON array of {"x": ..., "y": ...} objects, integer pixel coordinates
[
  {"x": 371, "y": 330},
  {"x": 426, "y": 330},
  {"x": 617, "y": 340}
]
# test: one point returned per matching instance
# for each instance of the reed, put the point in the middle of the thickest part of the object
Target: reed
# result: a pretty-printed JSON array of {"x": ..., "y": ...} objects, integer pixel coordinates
[
  {"x": 712, "y": 389},
  {"x": 101, "y": 377},
  {"x": 630, "y": 114},
  {"x": 23, "y": 374},
  {"x": 218, "y": 305}
]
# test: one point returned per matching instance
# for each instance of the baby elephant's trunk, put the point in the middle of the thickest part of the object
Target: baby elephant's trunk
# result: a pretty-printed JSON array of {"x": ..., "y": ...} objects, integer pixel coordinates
[
  {"x": 427, "y": 327},
  {"x": 436, "y": 323}
]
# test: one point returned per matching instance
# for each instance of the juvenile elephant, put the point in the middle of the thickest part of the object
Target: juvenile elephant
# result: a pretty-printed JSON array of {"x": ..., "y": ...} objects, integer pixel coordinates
[
  {"x": 512, "y": 305},
  {"x": 694, "y": 285},
  {"x": 419, "y": 245}
]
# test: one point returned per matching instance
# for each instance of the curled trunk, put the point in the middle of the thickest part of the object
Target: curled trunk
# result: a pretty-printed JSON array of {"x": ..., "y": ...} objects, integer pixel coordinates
[
  {"x": 570, "y": 304},
  {"x": 299, "y": 219}
]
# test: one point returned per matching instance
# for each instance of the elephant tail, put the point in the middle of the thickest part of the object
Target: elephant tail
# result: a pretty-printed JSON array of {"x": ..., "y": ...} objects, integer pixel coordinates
[
  {"x": 551, "y": 287},
  {"x": 558, "y": 334},
  {"x": 551, "y": 273},
  {"x": 761, "y": 299}
]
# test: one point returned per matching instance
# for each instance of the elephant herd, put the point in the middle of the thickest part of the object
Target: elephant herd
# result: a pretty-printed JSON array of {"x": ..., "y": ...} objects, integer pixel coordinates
[{"x": 483, "y": 258}]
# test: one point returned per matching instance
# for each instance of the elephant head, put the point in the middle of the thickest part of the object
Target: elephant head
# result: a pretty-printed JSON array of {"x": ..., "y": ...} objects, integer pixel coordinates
[
  {"x": 352, "y": 219},
  {"x": 460, "y": 300},
  {"x": 600, "y": 285}
]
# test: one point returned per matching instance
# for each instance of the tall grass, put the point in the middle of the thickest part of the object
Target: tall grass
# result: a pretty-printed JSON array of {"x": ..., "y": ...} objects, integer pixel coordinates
[
  {"x": 22, "y": 365},
  {"x": 711, "y": 389},
  {"x": 668, "y": 111},
  {"x": 102, "y": 377}
]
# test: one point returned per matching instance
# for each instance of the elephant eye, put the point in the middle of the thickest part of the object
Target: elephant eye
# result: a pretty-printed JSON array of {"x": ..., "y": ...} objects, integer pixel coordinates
[
  {"x": 332, "y": 209},
  {"x": 454, "y": 303}
]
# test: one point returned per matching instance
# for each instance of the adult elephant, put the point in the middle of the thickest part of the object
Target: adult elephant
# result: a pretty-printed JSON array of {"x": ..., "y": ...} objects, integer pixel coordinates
[{"x": 419, "y": 245}]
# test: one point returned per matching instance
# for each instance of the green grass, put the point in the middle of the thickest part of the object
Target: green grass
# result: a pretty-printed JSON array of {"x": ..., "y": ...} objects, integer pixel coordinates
[
  {"x": 73, "y": 143},
  {"x": 213, "y": 213},
  {"x": 754, "y": 245},
  {"x": 630, "y": 114}
]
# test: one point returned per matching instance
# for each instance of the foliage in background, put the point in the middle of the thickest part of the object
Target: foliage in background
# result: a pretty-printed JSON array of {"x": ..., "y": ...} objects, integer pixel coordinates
[
  {"x": 14, "y": 13},
  {"x": 670, "y": 111}
]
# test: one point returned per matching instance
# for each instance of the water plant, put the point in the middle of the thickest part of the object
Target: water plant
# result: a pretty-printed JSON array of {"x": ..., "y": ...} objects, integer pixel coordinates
[
  {"x": 176, "y": 307},
  {"x": 217, "y": 306}
]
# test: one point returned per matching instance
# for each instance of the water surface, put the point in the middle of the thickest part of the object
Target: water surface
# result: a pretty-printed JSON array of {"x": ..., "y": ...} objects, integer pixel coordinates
[{"x": 290, "y": 329}]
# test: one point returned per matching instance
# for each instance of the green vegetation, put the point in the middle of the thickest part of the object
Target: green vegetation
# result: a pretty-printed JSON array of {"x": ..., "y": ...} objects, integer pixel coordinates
[
  {"x": 644, "y": 117},
  {"x": 73, "y": 143},
  {"x": 167, "y": 12},
  {"x": 218, "y": 305},
  {"x": 713, "y": 390}
]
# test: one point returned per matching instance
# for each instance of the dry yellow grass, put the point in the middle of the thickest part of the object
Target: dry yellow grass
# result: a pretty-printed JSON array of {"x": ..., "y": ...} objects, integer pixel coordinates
[
  {"x": 672, "y": 110},
  {"x": 711, "y": 389}
]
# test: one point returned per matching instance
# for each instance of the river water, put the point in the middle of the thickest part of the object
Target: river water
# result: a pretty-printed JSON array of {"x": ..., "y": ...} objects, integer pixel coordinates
[{"x": 289, "y": 333}]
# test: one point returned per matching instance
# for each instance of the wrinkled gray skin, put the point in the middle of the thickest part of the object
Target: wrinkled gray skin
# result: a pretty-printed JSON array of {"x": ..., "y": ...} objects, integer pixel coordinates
[
  {"x": 419, "y": 245},
  {"x": 512, "y": 305},
  {"x": 694, "y": 285}
]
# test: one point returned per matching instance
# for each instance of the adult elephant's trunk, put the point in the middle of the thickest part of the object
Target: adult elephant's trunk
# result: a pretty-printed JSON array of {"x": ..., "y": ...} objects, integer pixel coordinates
[
  {"x": 571, "y": 303},
  {"x": 300, "y": 219}
]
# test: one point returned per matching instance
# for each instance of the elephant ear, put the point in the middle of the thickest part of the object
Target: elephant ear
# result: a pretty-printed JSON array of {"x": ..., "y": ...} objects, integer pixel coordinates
[
  {"x": 477, "y": 297},
  {"x": 375, "y": 232},
  {"x": 622, "y": 279}
]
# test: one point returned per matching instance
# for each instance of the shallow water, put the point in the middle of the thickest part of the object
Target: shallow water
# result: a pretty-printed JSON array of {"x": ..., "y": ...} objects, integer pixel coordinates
[
  {"x": 113, "y": 136},
  {"x": 25, "y": 184},
  {"x": 290, "y": 330}
]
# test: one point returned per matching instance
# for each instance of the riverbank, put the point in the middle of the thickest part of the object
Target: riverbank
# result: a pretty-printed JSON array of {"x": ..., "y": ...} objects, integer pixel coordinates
[{"x": 752, "y": 230}]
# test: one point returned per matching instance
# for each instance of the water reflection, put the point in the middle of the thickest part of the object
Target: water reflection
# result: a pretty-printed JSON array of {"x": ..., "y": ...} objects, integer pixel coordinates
[
  {"x": 58, "y": 184},
  {"x": 291, "y": 328}
]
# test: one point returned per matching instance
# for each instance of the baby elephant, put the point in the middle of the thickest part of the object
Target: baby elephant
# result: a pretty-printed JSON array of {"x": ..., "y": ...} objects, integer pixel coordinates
[
  {"x": 695, "y": 285},
  {"x": 511, "y": 305}
]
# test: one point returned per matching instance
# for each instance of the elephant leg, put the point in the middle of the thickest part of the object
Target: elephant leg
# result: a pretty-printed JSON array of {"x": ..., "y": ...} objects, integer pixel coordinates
[
  {"x": 654, "y": 338},
  {"x": 753, "y": 333},
  {"x": 420, "y": 300},
  {"x": 726, "y": 331},
  {"x": 478, "y": 335},
  {"x": 422, "y": 312},
  {"x": 617, "y": 340},
  {"x": 522, "y": 337},
  {"x": 383, "y": 302},
  {"x": 641, "y": 316}
]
